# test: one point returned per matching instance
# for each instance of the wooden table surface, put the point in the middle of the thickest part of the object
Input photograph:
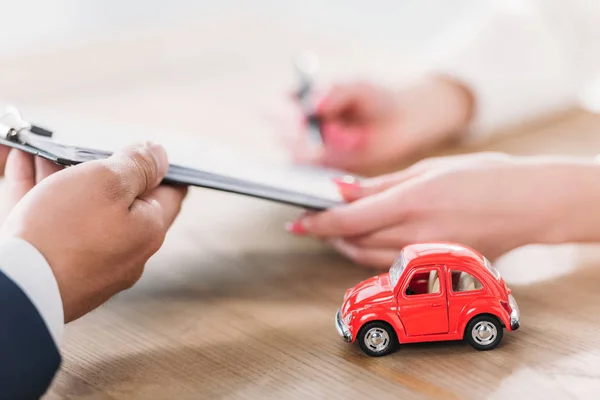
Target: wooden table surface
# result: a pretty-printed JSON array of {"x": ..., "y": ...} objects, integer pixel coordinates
[{"x": 234, "y": 308}]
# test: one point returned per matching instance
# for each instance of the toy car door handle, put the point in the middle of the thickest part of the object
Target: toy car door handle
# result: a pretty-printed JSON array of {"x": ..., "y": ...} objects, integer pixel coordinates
[{"x": 435, "y": 305}]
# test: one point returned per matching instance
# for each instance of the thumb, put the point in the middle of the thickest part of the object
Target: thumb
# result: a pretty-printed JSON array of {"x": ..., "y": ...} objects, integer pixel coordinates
[
  {"x": 352, "y": 189},
  {"x": 141, "y": 168},
  {"x": 349, "y": 100},
  {"x": 337, "y": 99}
]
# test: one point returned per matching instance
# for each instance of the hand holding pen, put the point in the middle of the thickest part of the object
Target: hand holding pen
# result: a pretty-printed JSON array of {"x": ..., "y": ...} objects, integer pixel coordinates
[{"x": 364, "y": 128}]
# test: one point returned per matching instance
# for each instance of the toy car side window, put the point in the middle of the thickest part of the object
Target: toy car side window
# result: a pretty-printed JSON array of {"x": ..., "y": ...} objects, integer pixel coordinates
[
  {"x": 423, "y": 281},
  {"x": 464, "y": 282}
]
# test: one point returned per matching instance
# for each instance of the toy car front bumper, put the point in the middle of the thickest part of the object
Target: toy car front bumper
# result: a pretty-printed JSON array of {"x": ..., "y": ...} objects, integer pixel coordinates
[
  {"x": 515, "y": 315},
  {"x": 341, "y": 327}
]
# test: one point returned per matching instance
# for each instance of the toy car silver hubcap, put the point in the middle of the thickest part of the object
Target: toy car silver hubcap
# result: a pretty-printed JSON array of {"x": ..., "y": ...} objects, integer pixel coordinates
[
  {"x": 377, "y": 339},
  {"x": 484, "y": 333}
]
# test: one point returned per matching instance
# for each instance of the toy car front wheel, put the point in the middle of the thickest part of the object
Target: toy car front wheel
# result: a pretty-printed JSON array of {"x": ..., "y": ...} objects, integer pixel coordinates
[
  {"x": 484, "y": 332},
  {"x": 377, "y": 339}
]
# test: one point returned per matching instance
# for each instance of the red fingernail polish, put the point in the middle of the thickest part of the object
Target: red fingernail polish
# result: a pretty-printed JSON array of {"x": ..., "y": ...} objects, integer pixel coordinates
[
  {"x": 348, "y": 184},
  {"x": 295, "y": 227}
]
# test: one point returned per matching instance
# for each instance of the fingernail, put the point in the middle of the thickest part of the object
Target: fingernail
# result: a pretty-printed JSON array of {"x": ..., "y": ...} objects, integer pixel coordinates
[
  {"x": 347, "y": 182},
  {"x": 159, "y": 154},
  {"x": 348, "y": 185},
  {"x": 296, "y": 228}
]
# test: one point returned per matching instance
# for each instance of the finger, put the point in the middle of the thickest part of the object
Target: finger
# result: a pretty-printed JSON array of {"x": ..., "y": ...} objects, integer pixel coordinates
[
  {"x": 342, "y": 144},
  {"x": 138, "y": 169},
  {"x": 338, "y": 100},
  {"x": 353, "y": 189},
  {"x": 357, "y": 218},
  {"x": 4, "y": 150},
  {"x": 44, "y": 168},
  {"x": 151, "y": 216},
  {"x": 344, "y": 138},
  {"x": 371, "y": 186},
  {"x": 371, "y": 257},
  {"x": 19, "y": 179},
  {"x": 166, "y": 201}
]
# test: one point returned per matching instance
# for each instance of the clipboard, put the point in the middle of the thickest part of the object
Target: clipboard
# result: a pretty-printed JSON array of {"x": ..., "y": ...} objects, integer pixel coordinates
[{"x": 307, "y": 187}]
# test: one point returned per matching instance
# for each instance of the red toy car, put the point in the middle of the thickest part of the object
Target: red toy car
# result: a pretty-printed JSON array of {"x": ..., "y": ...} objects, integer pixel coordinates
[{"x": 433, "y": 292}]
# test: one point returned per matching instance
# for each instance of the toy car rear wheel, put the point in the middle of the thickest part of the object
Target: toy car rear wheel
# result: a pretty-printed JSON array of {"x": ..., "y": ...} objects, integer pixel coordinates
[
  {"x": 377, "y": 339},
  {"x": 484, "y": 332}
]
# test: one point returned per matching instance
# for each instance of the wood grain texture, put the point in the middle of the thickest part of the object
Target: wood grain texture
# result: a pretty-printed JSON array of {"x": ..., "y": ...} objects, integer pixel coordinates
[{"x": 232, "y": 307}]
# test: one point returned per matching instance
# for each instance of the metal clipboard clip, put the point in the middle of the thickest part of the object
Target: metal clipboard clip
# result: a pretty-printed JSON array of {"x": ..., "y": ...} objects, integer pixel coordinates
[
  {"x": 12, "y": 125},
  {"x": 17, "y": 133}
]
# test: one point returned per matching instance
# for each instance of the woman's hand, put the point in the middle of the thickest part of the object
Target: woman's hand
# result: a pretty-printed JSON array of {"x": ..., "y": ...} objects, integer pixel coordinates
[
  {"x": 492, "y": 202},
  {"x": 367, "y": 127}
]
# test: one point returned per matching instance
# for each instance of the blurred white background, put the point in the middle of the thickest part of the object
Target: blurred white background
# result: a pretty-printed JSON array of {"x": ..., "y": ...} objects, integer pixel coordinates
[
  {"x": 227, "y": 64},
  {"x": 38, "y": 25}
]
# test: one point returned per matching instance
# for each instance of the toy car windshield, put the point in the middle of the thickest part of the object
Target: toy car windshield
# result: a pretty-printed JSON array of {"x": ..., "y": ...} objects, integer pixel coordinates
[{"x": 397, "y": 268}]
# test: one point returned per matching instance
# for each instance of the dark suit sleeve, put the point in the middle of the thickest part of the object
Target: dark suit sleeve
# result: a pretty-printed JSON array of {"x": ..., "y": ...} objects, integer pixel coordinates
[{"x": 29, "y": 357}]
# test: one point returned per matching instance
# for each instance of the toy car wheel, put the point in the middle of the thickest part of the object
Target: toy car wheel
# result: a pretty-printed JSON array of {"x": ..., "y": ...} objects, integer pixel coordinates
[
  {"x": 484, "y": 332},
  {"x": 377, "y": 339}
]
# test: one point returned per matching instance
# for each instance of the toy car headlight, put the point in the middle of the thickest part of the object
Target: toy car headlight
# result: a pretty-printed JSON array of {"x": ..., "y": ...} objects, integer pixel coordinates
[{"x": 348, "y": 318}]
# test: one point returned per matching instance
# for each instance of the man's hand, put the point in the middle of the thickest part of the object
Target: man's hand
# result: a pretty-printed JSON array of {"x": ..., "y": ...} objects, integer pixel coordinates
[
  {"x": 22, "y": 171},
  {"x": 97, "y": 223},
  {"x": 3, "y": 155}
]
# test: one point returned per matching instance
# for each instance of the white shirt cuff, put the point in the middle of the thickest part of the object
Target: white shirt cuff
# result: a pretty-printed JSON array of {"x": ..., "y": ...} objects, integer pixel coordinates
[{"x": 27, "y": 268}]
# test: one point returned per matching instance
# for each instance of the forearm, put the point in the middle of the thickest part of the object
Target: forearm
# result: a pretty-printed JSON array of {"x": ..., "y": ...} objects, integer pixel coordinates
[{"x": 573, "y": 214}]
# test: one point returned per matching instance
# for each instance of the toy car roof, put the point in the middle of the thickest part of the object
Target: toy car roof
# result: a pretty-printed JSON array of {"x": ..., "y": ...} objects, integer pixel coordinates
[{"x": 435, "y": 250}]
